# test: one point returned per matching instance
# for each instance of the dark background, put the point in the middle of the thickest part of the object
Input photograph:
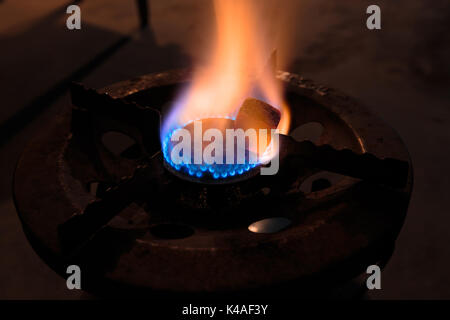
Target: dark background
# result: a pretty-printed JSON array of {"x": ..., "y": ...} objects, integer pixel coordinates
[{"x": 401, "y": 72}]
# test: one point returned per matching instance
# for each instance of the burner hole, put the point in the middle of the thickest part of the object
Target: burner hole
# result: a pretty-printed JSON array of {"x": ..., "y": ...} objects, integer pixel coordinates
[
  {"x": 133, "y": 152},
  {"x": 97, "y": 188},
  {"x": 171, "y": 231},
  {"x": 320, "y": 181},
  {"x": 121, "y": 145},
  {"x": 269, "y": 225},
  {"x": 308, "y": 131},
  {"x": 320, "y": 184}
]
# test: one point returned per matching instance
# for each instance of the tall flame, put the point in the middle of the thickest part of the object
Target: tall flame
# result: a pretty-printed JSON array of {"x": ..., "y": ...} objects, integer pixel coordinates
[{"x": 236, "y": 69}]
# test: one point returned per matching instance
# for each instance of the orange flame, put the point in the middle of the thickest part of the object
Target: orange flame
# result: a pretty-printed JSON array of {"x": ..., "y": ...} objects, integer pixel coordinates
[{"x": 235, "y": 71}]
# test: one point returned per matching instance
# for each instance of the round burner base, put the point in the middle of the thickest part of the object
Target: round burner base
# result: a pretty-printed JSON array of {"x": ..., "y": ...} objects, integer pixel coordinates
[{"x": 335, "y": 232}]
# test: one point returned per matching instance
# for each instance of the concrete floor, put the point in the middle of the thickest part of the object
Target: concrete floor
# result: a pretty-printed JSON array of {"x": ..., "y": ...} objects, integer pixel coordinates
[{"x": 401, "y": 72}]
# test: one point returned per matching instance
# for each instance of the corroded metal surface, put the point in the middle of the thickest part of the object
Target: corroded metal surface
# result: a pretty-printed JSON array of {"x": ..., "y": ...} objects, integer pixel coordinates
[{"x": 335, "y": 232}]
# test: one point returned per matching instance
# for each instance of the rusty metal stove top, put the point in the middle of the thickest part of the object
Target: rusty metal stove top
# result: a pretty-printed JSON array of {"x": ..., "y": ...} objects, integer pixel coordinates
[{"x": 173, "y": 236}]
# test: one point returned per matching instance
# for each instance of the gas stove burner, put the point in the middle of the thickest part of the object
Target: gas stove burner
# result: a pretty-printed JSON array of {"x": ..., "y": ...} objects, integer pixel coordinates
[
  {"x": 136, "y": 225},
  {"x": 214, "y": 172}
]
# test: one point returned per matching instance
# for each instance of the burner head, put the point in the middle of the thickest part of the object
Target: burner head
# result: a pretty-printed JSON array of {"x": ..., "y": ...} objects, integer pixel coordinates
[
  {"x": 204, "y": 172},
  {"x": 223, "y": 149}
]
